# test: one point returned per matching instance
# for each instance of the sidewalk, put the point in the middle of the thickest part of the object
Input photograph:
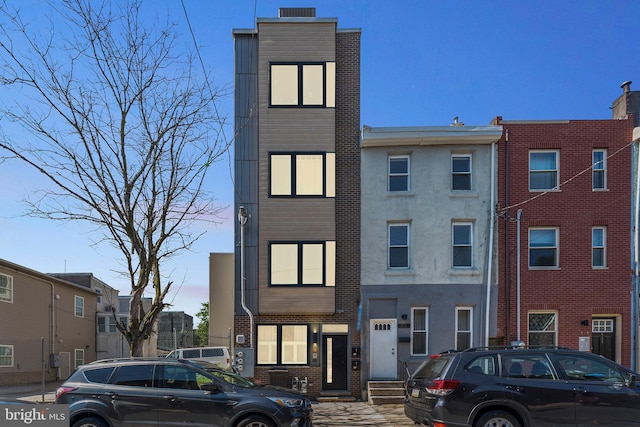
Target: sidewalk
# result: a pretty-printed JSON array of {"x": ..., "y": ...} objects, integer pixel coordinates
[{"x": 31, "y": 393}]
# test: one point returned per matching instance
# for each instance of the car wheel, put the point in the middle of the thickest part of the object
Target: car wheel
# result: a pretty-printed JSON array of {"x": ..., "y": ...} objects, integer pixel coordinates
[
  {"x": 90, "y": 422},
  {"x": 255, "y": 421},
  {"x": 497, "y": 419}
]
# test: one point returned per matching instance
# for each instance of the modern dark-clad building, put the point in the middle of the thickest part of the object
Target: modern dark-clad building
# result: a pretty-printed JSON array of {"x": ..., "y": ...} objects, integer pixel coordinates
[{"x": 297, "y": 171}]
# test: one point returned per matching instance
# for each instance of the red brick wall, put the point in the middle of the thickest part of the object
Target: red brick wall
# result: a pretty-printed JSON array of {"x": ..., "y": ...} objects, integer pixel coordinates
[{"x": 575, "y": 290}]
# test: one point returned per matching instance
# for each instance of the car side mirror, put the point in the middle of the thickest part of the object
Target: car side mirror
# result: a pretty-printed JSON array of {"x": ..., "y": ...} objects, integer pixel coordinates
[
  {"x": 210, "y": 387},
  {"x": 630, "y": 381}
]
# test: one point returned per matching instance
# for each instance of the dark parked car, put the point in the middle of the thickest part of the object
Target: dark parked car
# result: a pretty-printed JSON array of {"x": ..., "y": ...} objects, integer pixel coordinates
[
  {"x": 162, "y": 391},
  {"x": 522, "y": 387}
]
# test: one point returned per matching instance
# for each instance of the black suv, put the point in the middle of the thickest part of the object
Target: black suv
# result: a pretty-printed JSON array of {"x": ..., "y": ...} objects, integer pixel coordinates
[
  {"x": 522, "y": 387},
  {"x": 161, "y": 391}
]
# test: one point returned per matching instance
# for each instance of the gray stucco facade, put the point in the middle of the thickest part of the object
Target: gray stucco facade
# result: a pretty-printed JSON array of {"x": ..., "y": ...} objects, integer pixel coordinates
[{"x": 422, "y": 297}]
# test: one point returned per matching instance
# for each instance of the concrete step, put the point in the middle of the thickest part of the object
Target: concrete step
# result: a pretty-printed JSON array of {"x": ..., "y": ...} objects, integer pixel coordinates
[{"x": 385, "y": 392}]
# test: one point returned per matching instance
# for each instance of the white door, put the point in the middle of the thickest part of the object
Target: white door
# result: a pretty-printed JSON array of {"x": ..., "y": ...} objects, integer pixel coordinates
[{"x": 383, "y": 334}]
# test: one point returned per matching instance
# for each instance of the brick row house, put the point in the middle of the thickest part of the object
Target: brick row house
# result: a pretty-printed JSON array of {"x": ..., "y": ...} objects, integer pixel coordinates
[
  {"x": 566, "y": 206},
  {"x": 297, "y": 176}
]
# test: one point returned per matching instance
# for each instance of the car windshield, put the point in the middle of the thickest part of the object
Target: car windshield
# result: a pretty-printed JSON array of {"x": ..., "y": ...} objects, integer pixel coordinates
[{"x": 432, "y": 369}]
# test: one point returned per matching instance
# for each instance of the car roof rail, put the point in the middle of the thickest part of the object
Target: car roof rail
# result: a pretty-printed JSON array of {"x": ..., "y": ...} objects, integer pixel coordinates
[
  {"x": 126, "y": 359},
  {"x": 516, "y": 347}
]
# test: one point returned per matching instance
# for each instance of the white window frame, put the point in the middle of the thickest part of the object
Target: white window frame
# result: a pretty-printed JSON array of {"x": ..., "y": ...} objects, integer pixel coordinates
[
  {"x": 455, "y": 245},
  {"x": 556, "y": 170},
  {"x": 399, "y": 176},
  {"x": 391, "y": 246},
  {"x": 599, "y": 169},
  {"x": 8, "y": 289},
  {"x": 555, "y": 325},
  {"x": 600, "y": 247},
  {"x": 9, "y": 356},
  {"x": 78, "y": 357},
  {"x": 455, "y": 173},
  {"x": 459, "y": 329},
  {"x": 424, "y": 333},
  {"x": 302, "y": 84},
  {"x": 78, "y": 305},
  {"x": 555, "y": 247},
  {"x": 286, "y": 178}
]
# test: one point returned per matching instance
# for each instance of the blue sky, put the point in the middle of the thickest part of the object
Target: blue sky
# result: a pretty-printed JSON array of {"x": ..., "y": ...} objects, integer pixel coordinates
[{"x": 422, "y": 64}]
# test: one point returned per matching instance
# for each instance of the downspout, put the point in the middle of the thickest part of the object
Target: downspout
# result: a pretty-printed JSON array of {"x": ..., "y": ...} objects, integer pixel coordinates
[
  {"x": 491, "y": 231},
  {"x": 507, "y": 241},
  {"x": 518, "y": 273},
  {"x": 242, "y": 218},
  {"x": 634, "y": 244},
  {"x": 53, "y": 319}
]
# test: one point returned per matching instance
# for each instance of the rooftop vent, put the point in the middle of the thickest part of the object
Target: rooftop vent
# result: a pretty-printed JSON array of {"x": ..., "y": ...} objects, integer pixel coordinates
[
  {"x": 456, "y": 122},
  {"x": 297, "y": 12}
]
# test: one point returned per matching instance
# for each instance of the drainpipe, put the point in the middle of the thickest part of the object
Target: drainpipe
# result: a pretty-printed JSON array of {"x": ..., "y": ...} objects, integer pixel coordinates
[
  {"x": 507, "y": 242},
  {"x": 491, "y": 231},
  {"x": 518, "y": 273},
  {"x": 634, "y": 244},
  {"x": 242, "y": 218}
]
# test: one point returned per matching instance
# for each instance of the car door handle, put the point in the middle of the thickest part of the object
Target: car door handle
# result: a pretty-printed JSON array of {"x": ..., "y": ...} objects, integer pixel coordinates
[
  {"x": 112, "y": 395},
  {"x": 580, "y": 390},
  {"x": 170, "y": 398},
  {"x": 515, "y": 388}
]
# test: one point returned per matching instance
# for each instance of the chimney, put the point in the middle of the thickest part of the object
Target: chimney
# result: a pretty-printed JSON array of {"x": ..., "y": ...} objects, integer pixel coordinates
[
  {"x": 627, "y": 104},
  {"x": 626, "y": 86}
]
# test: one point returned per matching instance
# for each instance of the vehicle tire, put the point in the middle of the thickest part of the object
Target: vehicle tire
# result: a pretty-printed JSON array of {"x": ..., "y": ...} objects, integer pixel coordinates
[
  {"x": 497, "y": 419},
  {"x": 90, "y": 422},
  {"x": 255, "y": 421}
]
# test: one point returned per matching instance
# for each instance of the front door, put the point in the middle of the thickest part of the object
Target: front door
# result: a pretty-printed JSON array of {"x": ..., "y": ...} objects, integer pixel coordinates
[
  {"x": 383, "y": 335},
  {"x": 334, "y": 362},
  {"x": 603, "y": 337},
  {"x": 65, "y": 365}
]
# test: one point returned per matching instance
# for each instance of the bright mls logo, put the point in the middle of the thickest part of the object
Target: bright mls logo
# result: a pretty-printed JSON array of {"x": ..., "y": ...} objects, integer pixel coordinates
[{"x": 43, "y": 415}]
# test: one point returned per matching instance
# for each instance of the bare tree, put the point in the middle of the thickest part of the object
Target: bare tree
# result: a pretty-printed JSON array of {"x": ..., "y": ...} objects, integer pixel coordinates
[{"x": 122, "y": 127}]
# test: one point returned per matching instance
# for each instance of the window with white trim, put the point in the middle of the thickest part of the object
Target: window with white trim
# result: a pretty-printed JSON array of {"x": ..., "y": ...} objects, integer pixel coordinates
[
  {"x": 398, "y": 173},
  {"x": 543, "y": 329},
  {"x": 302, "y": 263},
  {"x": 398, "y": 245},
  {"x": 303, "y": 84},
  {"x": 598, "y": 247},
  {"x": 6, "y": 355},
  {"x": 464, "y": 329},
  {"x": 462, "y": 244},
  {"x": 282, "y": 344},
  {"x": 6, "y": 288},
  {"x": 461, "y": 172},
  {"x": 419, "y": 324},
  {"x": 78, "y": 357},
  {"x": 302, "y": 175},
  {"x": 600, "y": 169},
  {"x": 543, "y": 170},
  {"x": 79, "y": 306},
  {"x": 543, "y": 247}
]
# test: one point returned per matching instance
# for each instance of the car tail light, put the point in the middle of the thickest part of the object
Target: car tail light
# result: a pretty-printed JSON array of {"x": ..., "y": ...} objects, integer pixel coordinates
[
  {"x": 442, "y": 387},
  {"x": 62, "y": 390}
]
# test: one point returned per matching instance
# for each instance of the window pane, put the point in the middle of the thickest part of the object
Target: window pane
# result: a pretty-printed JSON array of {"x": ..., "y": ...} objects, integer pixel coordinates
[
  {"x": 309, "y": 175},
  {"x": 284, "y": 264},
  {"x": 6, "y": 355},
  {"x": 5, "y": 288},
  {"x": 312, "y": 85},
  {"x": 461, "y": 170},
  {"x": 419, "y": 331},
  {"x": 542, "y": 238},
  {"x": 462, "y": 247},
  {"x": 79, "y": 306},
  {"x": 281, "y": 175},
  {"x": 598, "y": 247},
  {"x": 543, "y": 172},
  {"x": 330, "y": 175},
  {"x": 461, "y": 234},
  {"x": 419, "y": 343},
  {"x": 294, "y": 344},
  {"x": 331, "y": 84},
  {"x": 267, "y": 345},
  {"x": 330, "y": 269},
  {"x": 542, "y": 328},
  {"x": 398, "y": 235},
  {"x": 543, "y": 248},
  {"x": 398, "y": 246},
  {"x": 398, "y": 174},
  {"x": 312, "y": 263},
  {"x": 284, "y": 85}
]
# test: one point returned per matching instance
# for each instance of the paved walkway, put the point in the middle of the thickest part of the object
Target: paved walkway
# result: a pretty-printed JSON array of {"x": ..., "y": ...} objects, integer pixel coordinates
[{"x": 359, "y": 414}]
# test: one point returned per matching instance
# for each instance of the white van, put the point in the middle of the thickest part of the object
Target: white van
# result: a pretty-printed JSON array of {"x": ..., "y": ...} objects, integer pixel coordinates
[{"x": 218, "y": 355}]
